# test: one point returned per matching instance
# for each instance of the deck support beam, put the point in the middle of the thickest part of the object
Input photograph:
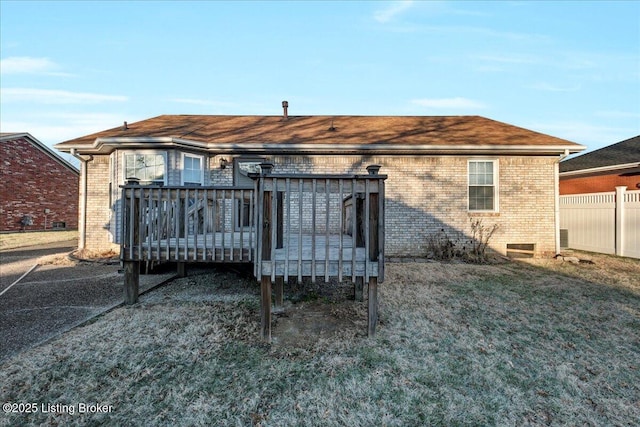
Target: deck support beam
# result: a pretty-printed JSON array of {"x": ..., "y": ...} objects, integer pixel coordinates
[
  {"x": 373, "y": 306},
  {"x": 265, "y": 308},
  {"x": 131, "y": 281}
]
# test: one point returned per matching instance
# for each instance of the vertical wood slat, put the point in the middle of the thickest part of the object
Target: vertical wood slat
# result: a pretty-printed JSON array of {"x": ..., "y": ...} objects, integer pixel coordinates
[
  {"x": 367, "y": 243},
  {"x": 177, "y": 225},
  {"x": 259, "y": 226},
  {"x": 300, "y": 197},
  {"x": 140, "y": 221},
  {"x": 233, "y": 223},
  {"x": 265, "y": 308},
  {"x": 241, "y": 225},
  {"x": 252, "y": 224},
  {"x": 196, "y": 221},
  {"x": 354, "y": 229},
  {"x": 132, "y": 219},
  {"x": 287, "y": 238},
  {"x": 223, "y": 222},
  {"x": 326, "y": 231},
  {"x": 381, "y": 230},
  {"x": 186, "y": 224},
  {"x": 205, "y": 222},
  {"x": 340, "y": 227},
  {"x": 274, "y": 230},
  {"x": 169, "y": 222},
  {"x": 159, "y": 223},
  {"x": 314, "y": 187},
  {"x": 214, "y": 220}
]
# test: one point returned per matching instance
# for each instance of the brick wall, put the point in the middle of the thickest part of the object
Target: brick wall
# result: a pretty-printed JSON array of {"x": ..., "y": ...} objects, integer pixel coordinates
[
  {"x": 32, "y": 181},
  {"x": 424, "y": 194},
  {"x": 99, "y": 235},
  {"x": 597, "y": 184}
]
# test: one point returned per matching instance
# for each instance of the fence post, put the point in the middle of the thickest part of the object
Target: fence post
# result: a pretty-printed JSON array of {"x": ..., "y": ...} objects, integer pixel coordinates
[
  {"x": 131, "y": 213},
  {"x": 620, "y": 231}
]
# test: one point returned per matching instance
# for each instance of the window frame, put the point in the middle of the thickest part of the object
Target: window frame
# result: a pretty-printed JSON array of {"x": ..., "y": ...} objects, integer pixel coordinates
[
  {"x": 183, "y": 155},
  {"x": 145, "y": 152},
  {"x": 495, "y": 185}
]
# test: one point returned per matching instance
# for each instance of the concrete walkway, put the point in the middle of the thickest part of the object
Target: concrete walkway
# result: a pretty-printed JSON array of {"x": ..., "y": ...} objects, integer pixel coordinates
[{"x": 55, "y": 296}]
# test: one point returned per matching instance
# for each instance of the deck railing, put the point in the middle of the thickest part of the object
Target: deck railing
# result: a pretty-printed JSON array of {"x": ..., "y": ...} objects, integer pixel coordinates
[
  {"x": 320, "y": 226},
  {"x": 190, "y": 224}
]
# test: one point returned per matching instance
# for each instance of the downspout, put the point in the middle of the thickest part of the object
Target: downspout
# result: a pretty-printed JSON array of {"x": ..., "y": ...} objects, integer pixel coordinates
[
  {"x": 556, "y": 180},
  {"x": 83, "y": 200}
]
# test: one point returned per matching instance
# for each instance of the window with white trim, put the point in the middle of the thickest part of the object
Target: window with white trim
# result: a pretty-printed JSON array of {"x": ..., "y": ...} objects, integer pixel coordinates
[
  {"x": 483, "y": 184},
  {"x": 192, "y": 169},
  {"x": 149, "y": 168}
]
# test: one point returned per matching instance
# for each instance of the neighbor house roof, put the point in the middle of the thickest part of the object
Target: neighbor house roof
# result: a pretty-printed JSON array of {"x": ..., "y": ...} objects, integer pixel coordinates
[
  {"x": 619, "y": 156},
  {"x": 323, "y": 134},
  {"x": 11, "y": 136}
]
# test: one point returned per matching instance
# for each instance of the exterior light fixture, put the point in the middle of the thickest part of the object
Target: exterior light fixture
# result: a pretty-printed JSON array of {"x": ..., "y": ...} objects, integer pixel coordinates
[{"x": 223, "y": 163}]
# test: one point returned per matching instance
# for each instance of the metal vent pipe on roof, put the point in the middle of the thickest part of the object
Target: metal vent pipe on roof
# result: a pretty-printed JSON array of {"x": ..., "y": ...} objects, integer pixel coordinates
[{"x": 285, "y": 107}]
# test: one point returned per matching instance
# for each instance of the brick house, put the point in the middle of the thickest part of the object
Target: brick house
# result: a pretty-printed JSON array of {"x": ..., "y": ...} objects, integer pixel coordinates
[
  {"x": 38, "y": 188},
  {"x": 442, "y": 171},
  {"x": 603, "y": 170}
]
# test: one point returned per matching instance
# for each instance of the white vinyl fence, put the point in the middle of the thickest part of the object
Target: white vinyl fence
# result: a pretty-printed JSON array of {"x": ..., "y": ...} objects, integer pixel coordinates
[{"x": 602, "y": 222}]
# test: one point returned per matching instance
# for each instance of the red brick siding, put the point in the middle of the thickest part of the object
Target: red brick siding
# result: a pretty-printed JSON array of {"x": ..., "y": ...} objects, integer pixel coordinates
[
  {"x": 30, "y": 182},
  {"x": 597, "y": 184}
]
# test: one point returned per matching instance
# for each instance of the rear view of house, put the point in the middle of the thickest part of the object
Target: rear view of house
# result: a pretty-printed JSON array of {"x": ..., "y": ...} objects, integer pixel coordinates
[
  {"x": 443, "y": 172},
  {"x": 38, "y": 188}
]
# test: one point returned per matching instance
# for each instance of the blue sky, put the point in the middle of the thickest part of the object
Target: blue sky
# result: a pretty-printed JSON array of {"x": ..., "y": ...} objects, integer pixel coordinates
[{"x": 568, "y": 69}]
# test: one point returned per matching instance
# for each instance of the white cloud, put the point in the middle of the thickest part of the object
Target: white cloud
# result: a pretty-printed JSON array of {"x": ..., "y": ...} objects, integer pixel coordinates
[
  {"x": 392, "y": 10},
  {"x": 29, "y": 65},
  {"x": 448, "y": 103},
  {"x": 48, "y": 96}
]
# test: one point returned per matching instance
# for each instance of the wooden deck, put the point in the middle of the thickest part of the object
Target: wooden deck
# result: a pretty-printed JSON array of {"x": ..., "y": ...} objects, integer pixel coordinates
[{"x": 288, "y": 226}]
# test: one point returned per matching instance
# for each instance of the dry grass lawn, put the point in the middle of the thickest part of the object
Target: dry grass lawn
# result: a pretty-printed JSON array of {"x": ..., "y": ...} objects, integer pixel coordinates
[
  {"x": 537, "y": 343},
  {"x": 19, "y": 240}
]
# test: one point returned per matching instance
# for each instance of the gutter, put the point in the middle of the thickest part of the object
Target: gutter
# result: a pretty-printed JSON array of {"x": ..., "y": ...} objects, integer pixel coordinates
[
  {"x": 556, "y": 184},
  {"x": 103, "y": 145},
  {"x": 83, "y": 200}
]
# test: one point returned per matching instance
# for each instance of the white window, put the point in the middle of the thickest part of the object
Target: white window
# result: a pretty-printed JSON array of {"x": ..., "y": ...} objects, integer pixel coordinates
[
  {"x": 192, "y": 169},
  {"x": 149, "y": 168},
  {"x": 483, "y": 184}
]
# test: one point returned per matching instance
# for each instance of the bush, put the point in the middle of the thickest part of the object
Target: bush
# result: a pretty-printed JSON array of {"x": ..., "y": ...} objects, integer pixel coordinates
[{"x": 441, "y": 247}]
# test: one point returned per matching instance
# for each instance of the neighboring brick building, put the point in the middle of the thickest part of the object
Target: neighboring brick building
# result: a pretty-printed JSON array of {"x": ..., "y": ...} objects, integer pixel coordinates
[
  {"x": 442, "y": 171},
  {"x": 38, "y": 188},
  {"x": 603, "y": 170}
]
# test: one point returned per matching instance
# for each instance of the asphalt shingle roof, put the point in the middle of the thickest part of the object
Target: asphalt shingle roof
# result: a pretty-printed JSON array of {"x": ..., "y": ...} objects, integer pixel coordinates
[
  {"x": 385, "y": 130},
  {"x": 621, "y": 153}
]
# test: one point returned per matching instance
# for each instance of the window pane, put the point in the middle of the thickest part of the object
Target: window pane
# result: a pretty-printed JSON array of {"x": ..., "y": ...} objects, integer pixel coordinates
[{"x": 481, "y": 198}]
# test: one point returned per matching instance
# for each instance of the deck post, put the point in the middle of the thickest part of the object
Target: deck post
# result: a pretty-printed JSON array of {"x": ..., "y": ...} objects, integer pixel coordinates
[
  {"x": 265, "y": 308},
  {"x": 131, "y": 281},
  {"x": 358, "y": 289},
  {"x": 278, "y": 292},
  {"x": 265, "y": 282},
  {"x": 182, "y": 269},
  {"x": 373, "y": 306},
  {"x": 374, "y": 252}
]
